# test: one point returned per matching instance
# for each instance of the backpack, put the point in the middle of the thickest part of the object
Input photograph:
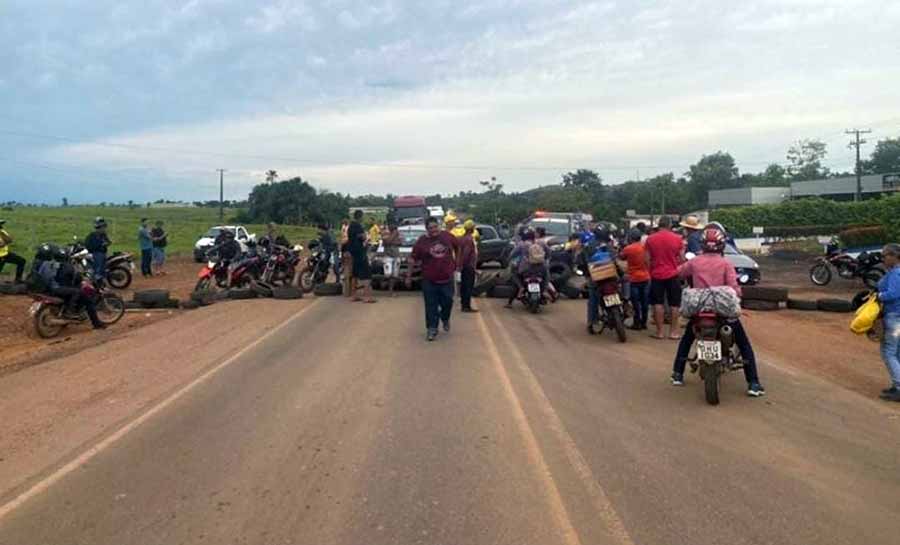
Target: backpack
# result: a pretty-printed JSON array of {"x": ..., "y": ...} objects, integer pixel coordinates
[
  {"x": 34, "y": 281},
  {"x": 536, "y": 254}
]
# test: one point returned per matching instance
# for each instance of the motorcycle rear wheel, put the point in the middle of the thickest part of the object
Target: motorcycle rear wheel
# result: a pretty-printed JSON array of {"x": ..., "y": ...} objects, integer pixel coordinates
[
  {"x": 619, "y": 323},
  {"x": 43, "y": 321},
  {"x": 110, "y": 308},
  {"x": 872, "y": 278},
  {"x": 820, "y": 274},
  {"x": 118, "y": 277},
  {"x": 711, "y": 386}
]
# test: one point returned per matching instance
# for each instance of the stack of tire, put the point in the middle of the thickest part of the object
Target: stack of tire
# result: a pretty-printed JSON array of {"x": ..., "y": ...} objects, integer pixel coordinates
[
  {"x": 763, "y": 298},
  {"x": 259, "y": 289},
  {"x": 499, "y": 284}
]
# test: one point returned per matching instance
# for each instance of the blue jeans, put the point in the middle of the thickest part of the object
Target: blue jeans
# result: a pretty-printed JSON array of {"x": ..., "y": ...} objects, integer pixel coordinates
[
  {"x": 740, "y": 339},
  {"x": 438, "y": 303},
  {"x": 593, "y": 304},
  {"x": 640, "y": 302},
  {"x": 146, "y": 260},
  {"x": 890, "y": 347},
  {"x": 99, "y": 265}
]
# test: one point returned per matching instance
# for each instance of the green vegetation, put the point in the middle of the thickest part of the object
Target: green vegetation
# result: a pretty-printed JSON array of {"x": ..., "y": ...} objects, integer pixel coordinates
[
  {"x": 813, "y": 212},
  {"x": 31, "y": 226}
]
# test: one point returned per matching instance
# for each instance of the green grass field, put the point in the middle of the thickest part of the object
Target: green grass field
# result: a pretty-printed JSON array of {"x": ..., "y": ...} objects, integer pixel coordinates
[{"x": 31, "y": 227}]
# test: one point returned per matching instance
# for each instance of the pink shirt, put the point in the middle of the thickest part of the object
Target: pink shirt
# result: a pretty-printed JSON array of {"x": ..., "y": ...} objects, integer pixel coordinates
[{"x": 709, "y": 271}]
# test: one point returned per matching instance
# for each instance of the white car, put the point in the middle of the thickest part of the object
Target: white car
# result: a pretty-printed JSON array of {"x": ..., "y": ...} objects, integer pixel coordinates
[{"x": 208, "y": 240}]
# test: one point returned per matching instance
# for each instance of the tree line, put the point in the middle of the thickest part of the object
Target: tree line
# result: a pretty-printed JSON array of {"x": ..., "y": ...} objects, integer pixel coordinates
[{"x": 295, "y": 201}]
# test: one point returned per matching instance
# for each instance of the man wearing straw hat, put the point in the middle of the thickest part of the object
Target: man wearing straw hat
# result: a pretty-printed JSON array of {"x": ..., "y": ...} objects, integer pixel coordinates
[{"x": 693, "y": 233}]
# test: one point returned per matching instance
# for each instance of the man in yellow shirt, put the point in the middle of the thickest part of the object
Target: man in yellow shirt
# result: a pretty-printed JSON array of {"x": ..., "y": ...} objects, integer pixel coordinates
[
  {"x": 452, "y": 226},
  {"x": 374, "y": 235},
  {"x": 6, "y": 255}
]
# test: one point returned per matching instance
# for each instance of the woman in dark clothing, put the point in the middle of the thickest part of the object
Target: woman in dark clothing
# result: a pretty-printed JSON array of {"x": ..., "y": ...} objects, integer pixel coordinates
[{"x": 362, "y": 274}]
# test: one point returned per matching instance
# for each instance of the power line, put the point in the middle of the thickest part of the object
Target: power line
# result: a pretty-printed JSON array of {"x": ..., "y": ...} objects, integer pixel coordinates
[
  {"x": 221, "y": 194},
  {"x": 857, "y": 144}
]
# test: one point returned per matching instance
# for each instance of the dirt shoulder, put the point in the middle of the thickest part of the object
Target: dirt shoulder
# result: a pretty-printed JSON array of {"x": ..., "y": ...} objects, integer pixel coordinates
[
  {"x": 21, "y": 347},
  {"x": 74, "y": 400}
]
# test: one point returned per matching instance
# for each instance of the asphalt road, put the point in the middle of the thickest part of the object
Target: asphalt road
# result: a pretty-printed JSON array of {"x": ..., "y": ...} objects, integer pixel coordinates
[{"x": 345, "y": 427}]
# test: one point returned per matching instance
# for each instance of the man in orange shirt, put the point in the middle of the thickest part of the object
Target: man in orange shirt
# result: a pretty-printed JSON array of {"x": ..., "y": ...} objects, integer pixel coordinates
[{"x": 639, "y": 278}]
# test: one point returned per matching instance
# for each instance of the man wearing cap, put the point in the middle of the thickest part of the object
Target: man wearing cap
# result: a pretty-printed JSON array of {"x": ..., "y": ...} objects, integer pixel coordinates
[
  {"x": 97, "y": 243},
  {"x": 7, "y": 256},
  {"x": 693, "y": 234},
  {"x": 145, "y": 241}
]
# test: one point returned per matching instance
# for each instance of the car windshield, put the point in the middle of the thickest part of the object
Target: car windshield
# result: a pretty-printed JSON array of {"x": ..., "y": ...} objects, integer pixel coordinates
[
  {"x": 553, "y": 228},
  {"x": 414, "y": 212},
  {"x": 729, "y": 249},
  {"x": 213, "y": 233}
]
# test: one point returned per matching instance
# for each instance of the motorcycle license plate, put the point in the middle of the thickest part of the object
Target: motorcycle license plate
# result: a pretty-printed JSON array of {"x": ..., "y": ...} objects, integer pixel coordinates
[
  {"x": 34, "y": 308},
  {"x": 709, "y": 350},
  {"x": 612, "y": 300},
  {"x": 534, "y": 287}
]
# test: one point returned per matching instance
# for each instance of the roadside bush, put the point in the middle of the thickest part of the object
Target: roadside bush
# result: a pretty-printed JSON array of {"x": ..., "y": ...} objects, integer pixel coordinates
[
  {"x": 864, "y": 236},
  {"x": 813, "y": 212}
]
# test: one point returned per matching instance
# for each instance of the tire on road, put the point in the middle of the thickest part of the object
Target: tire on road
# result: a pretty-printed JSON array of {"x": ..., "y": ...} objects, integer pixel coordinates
[
  {"x": 754, "y": 304},
  {"x": 560, "y": 272},
  {"x": 261, "y": 290},
  {"x": 13, "y": 289},
  {"x": 503, "y": 292},
  {"x": 328, "y": 289},
  {"x": 151, "y": 297},
  {"x": 775, "y": 295},
  {"x": 800, "y": 304},
  {"x": 190, "y": 305},
  {"x": 287, "y": 292},
  {"x": 241, "y": 293},
  {"x": 834, "y": 305},
  {"x": 204, "y": 298}
]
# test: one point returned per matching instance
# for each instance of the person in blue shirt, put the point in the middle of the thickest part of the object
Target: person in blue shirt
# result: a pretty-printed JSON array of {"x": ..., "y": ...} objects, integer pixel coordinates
[
  {"x": 145, "y": 241},
  {"x": 889, "y": 297}
]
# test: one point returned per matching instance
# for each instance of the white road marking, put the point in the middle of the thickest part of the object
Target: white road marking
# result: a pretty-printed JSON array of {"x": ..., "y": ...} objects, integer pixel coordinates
[
  {"x": 90, "y": 453},
  {"x": 601, "y": 502}
]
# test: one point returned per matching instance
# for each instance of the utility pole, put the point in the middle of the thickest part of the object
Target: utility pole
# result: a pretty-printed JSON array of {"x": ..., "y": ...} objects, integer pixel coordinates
[
  {"x": 221, "y": 195},
  {"x": 857, "y": 144}
]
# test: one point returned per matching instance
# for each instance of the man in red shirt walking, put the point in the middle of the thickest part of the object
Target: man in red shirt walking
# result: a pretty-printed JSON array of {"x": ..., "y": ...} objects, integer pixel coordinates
[
  {"x": 666, "y": 251},
  {"x": 436, "y": 252},
  {"x": 638, "y": 278}
]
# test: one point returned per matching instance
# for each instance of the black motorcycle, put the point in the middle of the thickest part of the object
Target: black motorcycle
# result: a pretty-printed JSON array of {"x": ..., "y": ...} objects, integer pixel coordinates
[
  {"x": 316, "y": 270},
  {"x": 716, "y": 352},
  {"x": 867, "y": 266},
  {"x": 119, "y": 265}
]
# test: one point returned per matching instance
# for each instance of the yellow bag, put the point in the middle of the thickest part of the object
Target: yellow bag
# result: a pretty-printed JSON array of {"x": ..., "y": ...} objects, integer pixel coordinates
[{"x": 866, "y": 316}]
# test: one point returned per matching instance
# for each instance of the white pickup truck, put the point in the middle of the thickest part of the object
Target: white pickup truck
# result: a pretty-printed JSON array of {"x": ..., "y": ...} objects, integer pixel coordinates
[{"x": 208, "y": 239}]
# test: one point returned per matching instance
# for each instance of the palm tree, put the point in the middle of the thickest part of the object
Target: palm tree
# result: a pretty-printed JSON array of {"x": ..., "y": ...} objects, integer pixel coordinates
[{"x": 271, "y": 176}]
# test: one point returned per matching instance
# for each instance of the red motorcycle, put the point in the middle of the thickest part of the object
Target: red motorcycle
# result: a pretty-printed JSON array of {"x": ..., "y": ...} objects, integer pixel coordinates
[
  {"x": 281, "y": 266},
  {"x": 218, "y": 273},
  {"x": 716, "y": 352}
]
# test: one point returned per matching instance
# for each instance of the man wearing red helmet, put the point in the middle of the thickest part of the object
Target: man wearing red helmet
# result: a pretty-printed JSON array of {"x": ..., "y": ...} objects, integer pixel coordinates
[{"x": 708, "y": 270}]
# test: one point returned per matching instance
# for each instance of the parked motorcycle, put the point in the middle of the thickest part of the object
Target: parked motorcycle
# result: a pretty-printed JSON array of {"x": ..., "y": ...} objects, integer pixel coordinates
[
  {"x": 868, "y": 266},
  {"x": 316, "y": 270},
  {"x": 217, "y": 272},
  {"x": 280, "y": 266},
  {"x": 716, "y": 352},
  {"x": 50, "y": 316},
  {"x": 119, "y": 265}
]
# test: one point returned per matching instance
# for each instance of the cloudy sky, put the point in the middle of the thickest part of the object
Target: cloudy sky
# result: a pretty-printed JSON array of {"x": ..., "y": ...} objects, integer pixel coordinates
[{"x": 118, "y": 100}]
